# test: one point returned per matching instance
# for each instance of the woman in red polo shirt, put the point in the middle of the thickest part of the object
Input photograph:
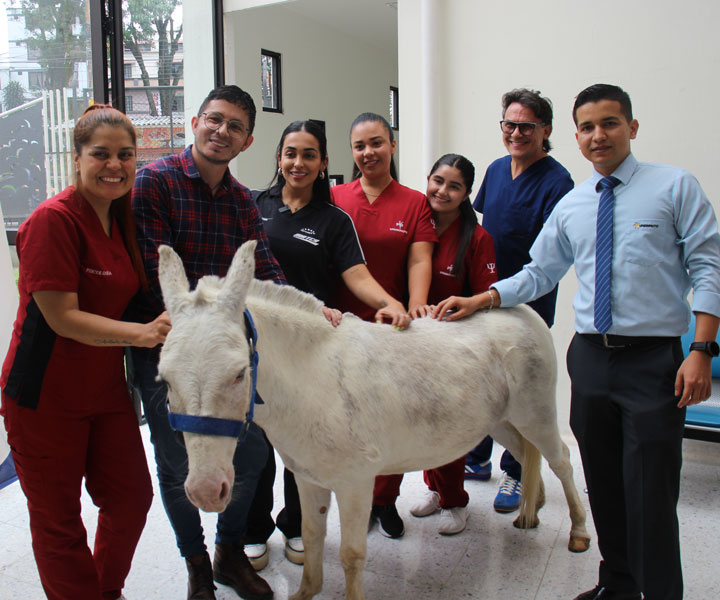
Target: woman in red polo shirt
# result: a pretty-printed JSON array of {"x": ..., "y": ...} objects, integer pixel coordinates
[
  {"x": 463, "y": 265},
  {"x": 397, "y": 236},
  {"x": 65, "y": 401}
]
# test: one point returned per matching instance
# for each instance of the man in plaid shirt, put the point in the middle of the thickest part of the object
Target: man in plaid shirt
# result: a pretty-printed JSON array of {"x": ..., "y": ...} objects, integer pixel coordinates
[{"x": 191, "y": 202}]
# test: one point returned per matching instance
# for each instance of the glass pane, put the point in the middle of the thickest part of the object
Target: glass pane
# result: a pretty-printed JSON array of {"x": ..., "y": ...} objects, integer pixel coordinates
[
  {"x": 153, "y": 72},
  {"x": 45, "y": 76},
  {"x": 268, "y": 81}
]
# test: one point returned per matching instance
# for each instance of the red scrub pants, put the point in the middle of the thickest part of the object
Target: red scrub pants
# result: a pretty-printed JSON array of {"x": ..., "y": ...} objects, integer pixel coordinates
[
  {"x": 448, "y": 481},
  {"x": 53, "y": 450}
]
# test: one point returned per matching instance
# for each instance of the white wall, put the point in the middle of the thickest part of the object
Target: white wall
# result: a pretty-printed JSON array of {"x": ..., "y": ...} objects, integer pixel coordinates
[
  {"x": 198, "y": 57},
  {"x": 326, "y": 75},
  {"x": 664, "y": 53}
]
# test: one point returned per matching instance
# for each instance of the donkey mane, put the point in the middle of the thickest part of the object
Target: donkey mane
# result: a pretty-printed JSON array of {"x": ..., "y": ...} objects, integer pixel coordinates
[
  {"x": 207, "y": 290},
  {"x": 285, "y": 296},
  {"x": 209, "y": 287}
]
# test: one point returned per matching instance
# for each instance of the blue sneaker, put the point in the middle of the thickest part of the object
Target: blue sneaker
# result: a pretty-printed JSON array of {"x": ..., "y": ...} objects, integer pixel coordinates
[
  {"x": 509, "y": 496},
  {"x": 481, "y": 471}
]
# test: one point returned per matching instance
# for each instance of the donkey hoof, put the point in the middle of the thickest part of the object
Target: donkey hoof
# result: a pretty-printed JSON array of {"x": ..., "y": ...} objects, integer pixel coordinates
[
  {"x": 523, "y": 522},
  {"x": 578, "y": 543}
]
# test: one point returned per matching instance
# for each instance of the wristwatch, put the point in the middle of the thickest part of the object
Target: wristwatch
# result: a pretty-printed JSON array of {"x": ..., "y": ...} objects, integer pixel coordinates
[{"x": 709, "y": 348}]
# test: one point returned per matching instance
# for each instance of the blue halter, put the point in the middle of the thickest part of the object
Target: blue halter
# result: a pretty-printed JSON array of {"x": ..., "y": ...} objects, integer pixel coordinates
[{"x": 225, "y": 427}]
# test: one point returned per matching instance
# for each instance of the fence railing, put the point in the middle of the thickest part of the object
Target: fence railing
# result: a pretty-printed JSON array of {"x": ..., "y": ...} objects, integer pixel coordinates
[
  {"x": 36, "y": 151},
  {"x": 58, "y": 124}
]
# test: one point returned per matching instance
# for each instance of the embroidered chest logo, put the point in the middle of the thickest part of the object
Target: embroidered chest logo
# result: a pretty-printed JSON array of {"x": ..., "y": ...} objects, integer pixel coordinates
[
  {"x": 447, "y": 271},
  {"x": 399, "y": 226},
  {"x": 637, "y": 225},
  {"x": 104, "y": 273},
  {"x": 307, "y": 235},
  {"x": 490, "y": 267}
]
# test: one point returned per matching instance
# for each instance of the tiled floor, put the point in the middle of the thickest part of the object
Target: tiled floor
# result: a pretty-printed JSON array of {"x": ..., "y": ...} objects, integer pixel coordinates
[{"x": 489, "y": 560}]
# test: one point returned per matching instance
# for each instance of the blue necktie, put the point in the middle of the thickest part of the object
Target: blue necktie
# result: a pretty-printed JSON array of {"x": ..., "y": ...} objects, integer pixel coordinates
[{"x": 603, "y": 253}]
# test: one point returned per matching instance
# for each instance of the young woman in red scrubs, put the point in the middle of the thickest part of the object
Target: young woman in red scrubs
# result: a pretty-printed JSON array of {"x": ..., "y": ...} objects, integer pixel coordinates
[
  {"x": 64, "y": 397},
  {"x": 397, "y": 236},
  {"x": 463, "y": 265}
]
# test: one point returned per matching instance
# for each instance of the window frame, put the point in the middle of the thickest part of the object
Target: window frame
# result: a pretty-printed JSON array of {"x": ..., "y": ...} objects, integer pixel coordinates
[
  {"x": 276, "y": 82},
  {"x": 395, "y": 112},
  {"x": 106, "y": 46}
]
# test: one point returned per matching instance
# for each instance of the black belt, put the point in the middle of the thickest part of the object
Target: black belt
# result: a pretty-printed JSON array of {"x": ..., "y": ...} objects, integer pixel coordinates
[{"x": 610, "y": 340}]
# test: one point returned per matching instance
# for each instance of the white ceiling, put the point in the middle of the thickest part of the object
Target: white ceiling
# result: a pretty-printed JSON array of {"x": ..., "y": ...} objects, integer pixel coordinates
[{"x": 372, "y": 21}]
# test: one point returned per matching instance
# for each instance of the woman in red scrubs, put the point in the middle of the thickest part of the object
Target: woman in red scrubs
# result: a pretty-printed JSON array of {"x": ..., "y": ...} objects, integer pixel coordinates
[
  {"x": 463, "y": 265},
  {"x": 397, "y": 236},
  {"x": 65, "y": 401}
]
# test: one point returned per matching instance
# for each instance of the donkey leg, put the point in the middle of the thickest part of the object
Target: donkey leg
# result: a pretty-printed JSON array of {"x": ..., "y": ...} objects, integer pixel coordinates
[
  {"x": 315, "y": 504},
  {"x": 533, "y": 489},
  {"x": 354, "y": 503},
  {"x": 557, "y": 454}
]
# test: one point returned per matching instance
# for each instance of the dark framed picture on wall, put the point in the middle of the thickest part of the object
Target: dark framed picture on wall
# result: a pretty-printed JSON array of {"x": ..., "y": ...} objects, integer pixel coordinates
[{"x": 336, "y": 179}]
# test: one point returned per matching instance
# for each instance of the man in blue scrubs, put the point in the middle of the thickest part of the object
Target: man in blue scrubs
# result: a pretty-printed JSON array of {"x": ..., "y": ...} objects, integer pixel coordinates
[{"x": 516, "y": 197}]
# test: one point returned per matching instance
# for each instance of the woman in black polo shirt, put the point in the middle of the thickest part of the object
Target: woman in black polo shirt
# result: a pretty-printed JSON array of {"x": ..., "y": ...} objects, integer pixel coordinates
[{"x": 315, "y": 243}]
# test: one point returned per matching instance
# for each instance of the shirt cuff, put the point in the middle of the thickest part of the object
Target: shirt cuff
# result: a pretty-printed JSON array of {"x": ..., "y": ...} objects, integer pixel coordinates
[
  {"x": 508, "y": 294},
  {"x": 706, "y": 302}
]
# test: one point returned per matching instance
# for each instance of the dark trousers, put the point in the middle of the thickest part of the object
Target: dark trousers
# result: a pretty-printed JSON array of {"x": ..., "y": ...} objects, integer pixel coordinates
[
  {"x": 482, "y": 453},
  {"x": 629, "y": 430},
  {"x": 260, "y": 522},
  {"x": 172, "y": 467}
]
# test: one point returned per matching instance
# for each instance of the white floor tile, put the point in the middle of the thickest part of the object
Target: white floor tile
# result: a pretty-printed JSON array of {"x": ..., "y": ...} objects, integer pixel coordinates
[{"x": 490, "y": 559}]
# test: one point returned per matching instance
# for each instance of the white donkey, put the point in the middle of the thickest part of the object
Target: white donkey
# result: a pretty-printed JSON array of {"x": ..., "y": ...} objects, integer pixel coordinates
[{"x": 344, "y": 405}]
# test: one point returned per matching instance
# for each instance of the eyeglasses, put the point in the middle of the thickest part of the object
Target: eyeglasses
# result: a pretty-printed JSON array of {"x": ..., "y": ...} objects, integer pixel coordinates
[
  {"x": 235, "y": 128},
  {"x": 525, "y": 127}
]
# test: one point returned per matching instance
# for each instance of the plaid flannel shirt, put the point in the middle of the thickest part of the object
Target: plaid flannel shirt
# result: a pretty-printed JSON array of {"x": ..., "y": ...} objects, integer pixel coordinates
[{"x": 174, "y": 206}]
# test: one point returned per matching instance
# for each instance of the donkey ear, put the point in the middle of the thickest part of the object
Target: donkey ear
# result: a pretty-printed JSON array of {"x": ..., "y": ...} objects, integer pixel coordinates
[
  {"x": 173, "y": 281},
  {"x": 239, "y": 276}
]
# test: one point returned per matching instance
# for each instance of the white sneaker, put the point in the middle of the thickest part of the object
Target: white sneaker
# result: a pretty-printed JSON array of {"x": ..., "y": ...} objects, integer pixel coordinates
[
  {"x": 295, "y": 550},
  {"x": 258, "y": 555},
  {"x": 453, "y": 520},
  {"x": 429, "y": 504}
]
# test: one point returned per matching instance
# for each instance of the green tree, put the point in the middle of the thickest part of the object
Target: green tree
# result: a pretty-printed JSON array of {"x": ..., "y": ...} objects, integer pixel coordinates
[
  {"x": 13, "y": 95},
  {"x": 152, "y": 21},
  {"x": 57, "y": 36}
]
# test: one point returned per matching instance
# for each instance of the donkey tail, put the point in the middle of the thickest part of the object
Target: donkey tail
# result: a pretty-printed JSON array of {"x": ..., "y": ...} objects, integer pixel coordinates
[{"x": 533, "y": 489}]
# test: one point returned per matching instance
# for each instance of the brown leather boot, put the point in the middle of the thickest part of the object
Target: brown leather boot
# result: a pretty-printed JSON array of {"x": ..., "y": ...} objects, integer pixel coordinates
[
  {"x": 232, "y": 567},
  {"x": 200, "y": 577}
]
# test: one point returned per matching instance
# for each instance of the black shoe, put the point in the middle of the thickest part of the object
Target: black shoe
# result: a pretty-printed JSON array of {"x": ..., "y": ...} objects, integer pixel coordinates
[
  {"x": 200, "y": 578},
  {"x": 602, "y": 593},
  {"x": 390, "y": 523},
  {"x": 232, "y": 567}
]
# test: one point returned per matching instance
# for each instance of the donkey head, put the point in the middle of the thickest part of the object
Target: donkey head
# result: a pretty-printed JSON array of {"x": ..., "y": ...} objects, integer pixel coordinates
[{"x": 205, "y": 362}]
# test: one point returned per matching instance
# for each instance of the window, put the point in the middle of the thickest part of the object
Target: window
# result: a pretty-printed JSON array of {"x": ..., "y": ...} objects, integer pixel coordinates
[
  {"x": 127, "y": 68},
  {"x": 394, "y": 108},
  {"x": 35, "y": 80},
  {"x": 156, "y": 108},
  {"x": 271, "y": 82},
  {"x": 37, "y": 160}
]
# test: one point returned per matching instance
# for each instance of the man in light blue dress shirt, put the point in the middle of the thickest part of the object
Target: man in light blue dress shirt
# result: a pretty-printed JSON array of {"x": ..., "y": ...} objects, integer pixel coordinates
[{"x": 630, "y": 383}]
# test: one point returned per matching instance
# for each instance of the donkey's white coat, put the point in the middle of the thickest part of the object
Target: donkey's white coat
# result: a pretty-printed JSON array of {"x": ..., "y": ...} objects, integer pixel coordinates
[{"x": 344, "y": 405}]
